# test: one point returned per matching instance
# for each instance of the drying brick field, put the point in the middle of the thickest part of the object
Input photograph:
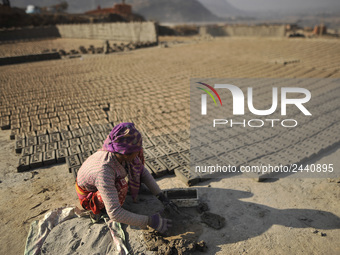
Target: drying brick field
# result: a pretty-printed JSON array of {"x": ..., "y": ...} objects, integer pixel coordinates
[{"x": 56, "y": 113}]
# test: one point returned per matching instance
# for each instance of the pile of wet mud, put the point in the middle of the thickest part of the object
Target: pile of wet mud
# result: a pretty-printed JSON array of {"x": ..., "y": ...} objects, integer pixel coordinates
[{"x": 183, "y": 236}]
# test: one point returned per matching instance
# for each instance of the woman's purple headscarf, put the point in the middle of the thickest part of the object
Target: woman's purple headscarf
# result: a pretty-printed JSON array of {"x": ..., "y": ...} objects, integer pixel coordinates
[{"x": 125, "y": 139}]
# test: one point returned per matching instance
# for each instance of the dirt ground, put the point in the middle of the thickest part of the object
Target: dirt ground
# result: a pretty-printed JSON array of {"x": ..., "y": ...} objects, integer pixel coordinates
[
  {"x": 278, "y": 216},
  {"x": 273, "y": 217}
]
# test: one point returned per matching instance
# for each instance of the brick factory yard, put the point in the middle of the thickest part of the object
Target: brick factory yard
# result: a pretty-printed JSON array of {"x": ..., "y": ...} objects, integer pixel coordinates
[{"x": 151, "y": 87}]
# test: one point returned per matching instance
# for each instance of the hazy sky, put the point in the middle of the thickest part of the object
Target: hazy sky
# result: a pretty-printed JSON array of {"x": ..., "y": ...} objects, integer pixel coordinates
[
  {"x": 282, "y": 5},
  {"x": 248, "y": 5}
]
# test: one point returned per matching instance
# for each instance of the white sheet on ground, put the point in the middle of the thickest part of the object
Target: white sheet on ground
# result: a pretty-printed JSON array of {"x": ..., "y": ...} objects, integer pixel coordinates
[{"x": 65, "y": 222}]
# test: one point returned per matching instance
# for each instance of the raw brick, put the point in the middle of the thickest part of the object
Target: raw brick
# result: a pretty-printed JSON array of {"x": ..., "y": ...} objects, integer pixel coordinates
[
  {"x": 87, "y": 130},
  {"x": 15, "y": 126},
  {"x": 148, "y": 154},
  {"x": 186, "y": 154},
  {"x": 97, "y": 137},
  {"x": 170, "y": 163},
  {"x": 51, "y": 146},
  {"x": 185, "y": 134},
  {"x": 182, "y": 160},
  {"x": 49, "y": 158},
  {"x": 104, "y": 135},
  {"x": 24, "y": 164},
  {"x": 43, "y": 139},
  {"x": 77, "y": 133},
  {"x": 157, "y": 140},
  {"x": 74, "y": 141},
  {"x": 20, "y": 136},
  {"x": 97, "y": 145},
  {"x": 66, "y": 135},
  {"x": 187, "y": 176},
  {"x": 156, "y": 152},
  {"x": 177, "y": 136},
  {"x": 232, "y": 158},
  {"x": 72, "y": 161},
  {"x": 167, "y": 149},
  {"x": 39, "y": 148},
  {"x": 41, "y": 132},
  {"x": 31, "y": 134},
  {"x": 107, "y": 127},
  {"x": 179, "y": 146},
  {"x": 5, "y": 124},
  {"x": 199, "y": 154},
  {"x": 53, "y": 130},
  {"x": 74, "y": 150},
  {"x": 19, "y": 144},
  {"x": 157, "y": 167},
  {"x": 86, "y": 147},
  {"x": 14, "y": 133},
  {"x": 74, "y": 171},
  {"x": 61, "y": 154},
  {"x": 216, "y": 148},
  {"x": 74, "y": 127},
  {"x": 170, "y": 139},
  {"x": 98, "y": 128},
  {"x": 55, "y": 137},
  {"x": 86, "y": 139},
  {"x": 63, "y": 144},
  {"x": 147, "y": 143},
  {"x": 26, "y": 151},
  {"x": 36, "y": 160}
]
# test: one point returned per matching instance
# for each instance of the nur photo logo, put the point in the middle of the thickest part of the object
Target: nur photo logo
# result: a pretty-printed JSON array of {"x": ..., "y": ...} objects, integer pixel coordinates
[{"x": 239, "y": 100}]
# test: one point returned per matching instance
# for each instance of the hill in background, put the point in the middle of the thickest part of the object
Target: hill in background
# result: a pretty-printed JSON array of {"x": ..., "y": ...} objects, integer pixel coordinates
[
  {"x": 158, "y": 10},
  {"x": 173, "y": 10},
  {"x": 176, "y": 11}
]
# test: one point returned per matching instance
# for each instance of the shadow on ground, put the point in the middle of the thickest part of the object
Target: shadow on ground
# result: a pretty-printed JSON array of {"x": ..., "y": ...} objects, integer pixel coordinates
[{"x": 244, "y": 220}]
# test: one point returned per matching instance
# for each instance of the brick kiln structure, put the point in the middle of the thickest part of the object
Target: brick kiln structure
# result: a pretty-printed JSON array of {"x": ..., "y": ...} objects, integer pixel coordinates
[{"x": 120, "y": 9}]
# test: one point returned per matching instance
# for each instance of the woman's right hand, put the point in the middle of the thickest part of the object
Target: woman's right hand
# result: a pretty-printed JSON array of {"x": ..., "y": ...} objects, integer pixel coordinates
[{"x": 158, "y": 223}]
